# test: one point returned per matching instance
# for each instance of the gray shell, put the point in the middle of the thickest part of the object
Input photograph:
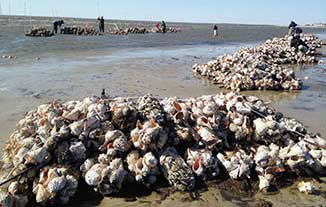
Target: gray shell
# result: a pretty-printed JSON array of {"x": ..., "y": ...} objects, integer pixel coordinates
[
  {"x": 150, "y": 107},
  {"x": 56, "y": 184},
  {"x": 78, "y": 150},
  {"x": 176, "y": 170}
]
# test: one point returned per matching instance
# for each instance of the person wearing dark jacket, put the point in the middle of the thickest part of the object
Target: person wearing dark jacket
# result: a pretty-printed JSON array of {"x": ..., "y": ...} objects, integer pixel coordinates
[
  {"x": 297, "y": 30},
  {"x": 163, "y": 27},
  {"x": 215, "y": 30},
  {"x": 56, "y": 25},
  {"x": 292, "y": 27},
  {"x": 299, "y": 45},
  {"x": 102, "y": 24},
  {"x": 292, "y": 24}
]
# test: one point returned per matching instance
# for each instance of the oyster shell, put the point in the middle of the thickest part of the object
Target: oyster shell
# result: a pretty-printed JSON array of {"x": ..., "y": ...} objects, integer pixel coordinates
[{"x": 176, "y": 170}]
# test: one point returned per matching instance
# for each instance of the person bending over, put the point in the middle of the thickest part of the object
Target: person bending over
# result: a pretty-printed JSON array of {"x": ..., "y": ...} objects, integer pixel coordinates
[{"x": 56, "y": 25}]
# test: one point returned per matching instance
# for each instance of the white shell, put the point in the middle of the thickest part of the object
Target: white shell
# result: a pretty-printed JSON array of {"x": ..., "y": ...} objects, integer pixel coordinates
[
  {"x": 38, "y": 156},
  {"x": 78, "y": 150},
  {"x": 72, "y": 115},
  {"x": 76, "y": 127},
  {"x": 121, "y": 144},
  {"x": 260, "y": 127},
  {"x": 262, "y": 156},
  {"x": 150, "y": 160},
  {"x": 112, "y": 135},
  {"x": 104, "y": 159},
  {"x": 87, "y": 165},
  {"x": 306, "y": 187},
  {"x": 265, "y": 181},
  {"x": 56, "y": 184},
  {"x": 13, "y": 187},
  {"x": 93, "y": 177},
  {"x": 42, "y": 195}
]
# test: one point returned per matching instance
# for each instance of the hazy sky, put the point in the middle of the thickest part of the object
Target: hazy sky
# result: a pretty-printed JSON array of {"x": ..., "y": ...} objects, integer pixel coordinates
[{"x": 220, "y": 11}]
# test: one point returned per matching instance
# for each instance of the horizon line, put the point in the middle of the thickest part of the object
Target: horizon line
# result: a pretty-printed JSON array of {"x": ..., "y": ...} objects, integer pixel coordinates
[{"x": 141, "y": 20}]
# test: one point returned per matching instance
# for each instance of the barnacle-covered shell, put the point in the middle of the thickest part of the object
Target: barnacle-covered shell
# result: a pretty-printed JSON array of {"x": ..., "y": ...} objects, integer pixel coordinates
[
  {"x": 94, "y": 175},
  {"x": 150, "y": 107},
  {"x": 176, "y": 170}
]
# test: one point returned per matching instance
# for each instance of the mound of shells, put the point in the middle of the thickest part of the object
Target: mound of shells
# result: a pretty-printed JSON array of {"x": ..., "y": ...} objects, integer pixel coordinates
[
  {"x": 110, "y": 143},
  {"x": 40, "y": 32},
  {"x": 260, "y": 67},
  {"x": 131, "y": 30},
  {"x": 168, "y": 30},
  {"x": 136, "y": 30},
  {"x": 77, "y": 30}
]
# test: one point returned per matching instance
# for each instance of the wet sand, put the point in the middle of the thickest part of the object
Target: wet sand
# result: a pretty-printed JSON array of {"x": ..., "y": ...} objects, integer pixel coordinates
[
  {"x": 227, "y": 193},
  {"x": 139, "y": 65},
  {"x": 287, "y": 197},
  {"x": 161, "y": 72}
]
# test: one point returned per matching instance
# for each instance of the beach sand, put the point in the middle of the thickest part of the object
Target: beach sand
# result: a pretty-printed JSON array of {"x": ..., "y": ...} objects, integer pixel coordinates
[{"x": 227, "y": 193}]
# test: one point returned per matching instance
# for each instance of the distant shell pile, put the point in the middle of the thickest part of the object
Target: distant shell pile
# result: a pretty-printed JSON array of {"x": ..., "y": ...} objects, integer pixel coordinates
[
  {"x": 136, "y": 30},
  {"x": 261, "y": 67},
  {"x": 40, "y": 32},
  {"x": 112, "y": 142},
  {"x": 131, "y": 30},
  {"x": 77, "y": 30},
  {"x": 168, "y": 30},
  {"x": 8, "y": 57}
]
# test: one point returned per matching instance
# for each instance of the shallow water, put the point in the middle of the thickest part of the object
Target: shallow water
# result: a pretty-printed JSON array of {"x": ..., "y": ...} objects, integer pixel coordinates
[{"x": 70, "y": 67}]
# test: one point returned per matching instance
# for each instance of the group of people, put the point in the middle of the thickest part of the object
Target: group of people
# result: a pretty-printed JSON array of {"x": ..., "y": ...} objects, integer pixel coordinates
[
  {"x": 161, "y": 26},
  {"x": 294, "y": 31},
  {"x": 294, "y": 38}
]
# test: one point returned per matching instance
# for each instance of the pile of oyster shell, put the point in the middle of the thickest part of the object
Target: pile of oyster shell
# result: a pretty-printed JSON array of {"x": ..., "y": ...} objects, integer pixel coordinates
[
  {"x": 261, "y": 67},
  {"x": 109, "y": 143},
  {"x": 131, "y": 30},
  {"x": 40, "y": 32},
  {"x": 168, "y": 30},
  {"x": 142, "y": 30},
  {"x": 77, "y": 30}
]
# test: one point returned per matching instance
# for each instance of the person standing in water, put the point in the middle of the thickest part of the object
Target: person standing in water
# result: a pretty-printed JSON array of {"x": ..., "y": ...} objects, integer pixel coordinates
[
  {"x": 163, "y": 27},
  {"x": 158, "y": 26},
  {"x": 215, "y": 30},
  {"x": 101, "y": 24}
]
